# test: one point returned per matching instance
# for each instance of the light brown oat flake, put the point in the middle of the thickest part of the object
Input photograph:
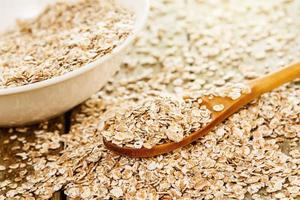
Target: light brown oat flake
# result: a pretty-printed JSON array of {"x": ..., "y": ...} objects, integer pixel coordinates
[
  {"x": 218, "y": 107},
  {"x": 2, "y": 168}
]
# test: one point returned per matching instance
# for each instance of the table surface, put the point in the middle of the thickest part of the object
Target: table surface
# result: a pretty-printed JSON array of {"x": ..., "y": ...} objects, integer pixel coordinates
[{"x": 9, "y": 148}]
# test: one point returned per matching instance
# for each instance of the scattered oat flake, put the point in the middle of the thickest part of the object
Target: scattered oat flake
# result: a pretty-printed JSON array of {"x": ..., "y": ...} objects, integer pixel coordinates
[
  {"x": 14, "y": 166},
  {"x": 117, "y": 192},
  {"x": 218, "y": 107},
  {"x": 2, "y": 168}
]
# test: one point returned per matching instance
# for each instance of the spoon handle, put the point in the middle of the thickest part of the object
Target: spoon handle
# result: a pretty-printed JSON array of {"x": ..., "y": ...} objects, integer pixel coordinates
[{"x": 275, "y": 79}]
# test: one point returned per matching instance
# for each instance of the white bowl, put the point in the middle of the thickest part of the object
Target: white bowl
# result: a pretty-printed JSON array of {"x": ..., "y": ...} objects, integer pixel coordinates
[{"x": 49, "y": 98}]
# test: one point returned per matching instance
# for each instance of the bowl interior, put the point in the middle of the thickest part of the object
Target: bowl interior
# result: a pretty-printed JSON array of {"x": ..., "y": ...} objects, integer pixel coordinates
[{"x": 23, "y": 9}]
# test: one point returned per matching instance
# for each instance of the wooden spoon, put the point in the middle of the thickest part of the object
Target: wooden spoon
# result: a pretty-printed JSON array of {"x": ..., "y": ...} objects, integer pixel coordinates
[{"x": 258, "y": 87}]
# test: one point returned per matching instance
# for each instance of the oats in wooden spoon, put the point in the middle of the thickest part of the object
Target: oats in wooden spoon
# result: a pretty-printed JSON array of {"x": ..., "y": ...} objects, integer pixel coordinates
[{"x": 155, "y": 121}]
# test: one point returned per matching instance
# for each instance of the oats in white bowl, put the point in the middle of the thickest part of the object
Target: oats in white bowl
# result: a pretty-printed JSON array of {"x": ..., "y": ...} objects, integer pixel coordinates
[{"x": 64, "y": 37}]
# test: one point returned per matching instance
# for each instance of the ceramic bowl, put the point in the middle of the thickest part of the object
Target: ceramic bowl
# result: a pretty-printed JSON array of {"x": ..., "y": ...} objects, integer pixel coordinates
[{"x": 45, "y": 99}]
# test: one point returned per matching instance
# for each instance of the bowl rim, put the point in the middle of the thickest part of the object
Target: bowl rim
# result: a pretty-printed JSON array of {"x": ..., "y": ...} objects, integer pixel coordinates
[{"x": 138, "y": 25}]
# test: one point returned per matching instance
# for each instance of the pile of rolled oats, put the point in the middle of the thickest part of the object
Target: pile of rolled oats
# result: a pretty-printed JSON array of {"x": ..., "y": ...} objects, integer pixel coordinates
[
  {"x": 190, "y": 46},
  {"x": 155, "y": 121},
  {"x": 64, "y": 37}
]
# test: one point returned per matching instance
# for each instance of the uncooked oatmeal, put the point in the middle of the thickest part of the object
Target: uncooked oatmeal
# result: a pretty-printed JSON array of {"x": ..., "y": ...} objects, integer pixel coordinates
[
  {"x": 187, "y": 46},
  {"x": 164, "y": 118},
  {"x": 155, "y": 121},
  {"x": 64, "y": 37}
]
